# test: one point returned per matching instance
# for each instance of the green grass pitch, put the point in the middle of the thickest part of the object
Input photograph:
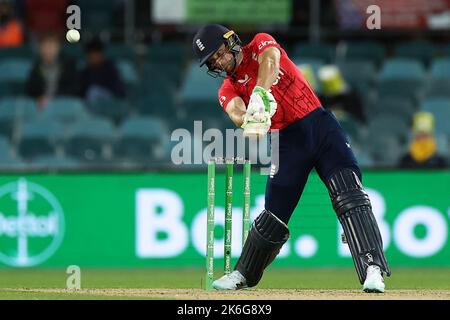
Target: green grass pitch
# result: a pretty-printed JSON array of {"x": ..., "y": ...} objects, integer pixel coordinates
[{"x": 51, "y": 283}]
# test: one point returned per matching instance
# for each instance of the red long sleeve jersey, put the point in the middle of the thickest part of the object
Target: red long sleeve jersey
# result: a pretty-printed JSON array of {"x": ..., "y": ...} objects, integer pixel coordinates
[{"x": 294, "y": 95}]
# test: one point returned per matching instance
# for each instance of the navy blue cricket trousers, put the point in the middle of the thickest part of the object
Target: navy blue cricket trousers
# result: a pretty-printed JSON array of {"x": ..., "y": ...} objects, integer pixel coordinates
[{"x": 315, "y": 141}]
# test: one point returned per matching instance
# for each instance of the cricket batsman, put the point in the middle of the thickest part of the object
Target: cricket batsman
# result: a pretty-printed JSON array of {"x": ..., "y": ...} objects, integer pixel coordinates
[{"x": 263, "y": 90}]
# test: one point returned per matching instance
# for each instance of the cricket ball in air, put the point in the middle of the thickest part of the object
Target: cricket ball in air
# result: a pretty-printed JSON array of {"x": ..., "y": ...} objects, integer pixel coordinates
[{"x": 73, "y": 35}]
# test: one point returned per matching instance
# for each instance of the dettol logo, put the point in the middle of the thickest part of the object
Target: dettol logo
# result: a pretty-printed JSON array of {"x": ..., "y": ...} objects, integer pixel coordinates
[{"x": 31, "y": 224}]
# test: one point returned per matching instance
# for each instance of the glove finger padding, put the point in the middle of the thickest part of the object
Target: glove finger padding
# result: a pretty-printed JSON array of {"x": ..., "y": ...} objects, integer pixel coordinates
[
  {"x": 260, "y": 117},
  {"x": 254, "y": 128},
  {"x": 255, "y": 118}
]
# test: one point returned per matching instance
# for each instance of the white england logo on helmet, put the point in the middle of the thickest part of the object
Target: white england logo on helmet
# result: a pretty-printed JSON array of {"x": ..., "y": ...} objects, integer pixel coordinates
[{"x": 200, "y": 45}]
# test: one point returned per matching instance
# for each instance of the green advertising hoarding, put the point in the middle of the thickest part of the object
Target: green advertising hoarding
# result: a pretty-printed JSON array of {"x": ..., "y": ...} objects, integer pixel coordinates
[
  {"x": 159, "y": 220},
  {"x": 238, "y": 11}
]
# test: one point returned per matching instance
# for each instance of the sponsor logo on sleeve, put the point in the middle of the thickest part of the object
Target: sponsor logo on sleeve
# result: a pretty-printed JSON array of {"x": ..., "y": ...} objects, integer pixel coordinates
[{"x": 263, "y": 44}]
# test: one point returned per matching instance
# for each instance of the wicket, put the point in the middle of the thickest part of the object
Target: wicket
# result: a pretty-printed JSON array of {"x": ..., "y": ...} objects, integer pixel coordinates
[{"x": 229, "y": 168}]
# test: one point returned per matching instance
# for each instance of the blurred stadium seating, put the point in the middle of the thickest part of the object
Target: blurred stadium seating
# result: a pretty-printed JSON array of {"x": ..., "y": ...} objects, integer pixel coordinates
[
  {"x": 167, "y": 90},
  {"x": 364, "y": 50}
]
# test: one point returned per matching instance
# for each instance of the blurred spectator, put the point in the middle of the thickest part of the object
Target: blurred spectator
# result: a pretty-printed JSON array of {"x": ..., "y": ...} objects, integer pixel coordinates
[
  {"x": 308, "y": 72},
  {"x": 100, "y": 78},
  {"x": 11, "y": 32},
  {"x": 52, "y": 74},
  {"x": 422, "y": 151},
  {"x": 43, "y": 16},
  {"x": 301, "y": 13},
  {"x": 337, "y": 95}
]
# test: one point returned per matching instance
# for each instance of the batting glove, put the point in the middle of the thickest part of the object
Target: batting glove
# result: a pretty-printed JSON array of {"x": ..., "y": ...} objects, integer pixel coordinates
[{"x": 262, "y": 101}]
